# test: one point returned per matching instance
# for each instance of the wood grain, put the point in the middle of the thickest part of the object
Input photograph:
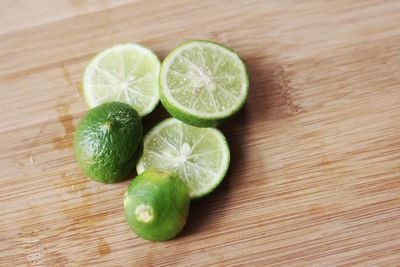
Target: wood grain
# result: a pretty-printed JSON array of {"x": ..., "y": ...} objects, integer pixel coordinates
[{"x": 314, "y": 179}]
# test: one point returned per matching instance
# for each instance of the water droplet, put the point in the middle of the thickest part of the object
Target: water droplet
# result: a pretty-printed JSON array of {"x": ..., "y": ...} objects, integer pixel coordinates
[{"x": 185, "y": 149}]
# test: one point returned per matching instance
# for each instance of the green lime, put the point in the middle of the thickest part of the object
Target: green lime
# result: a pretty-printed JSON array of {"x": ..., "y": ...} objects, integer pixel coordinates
[
  {"x": 106, "y": 141},
  {"x": 125, "y": 73},
  {"x": 156, "y": 205},
  {"x": 203, "y": 83},
  {"x": 199, "y": 156}
]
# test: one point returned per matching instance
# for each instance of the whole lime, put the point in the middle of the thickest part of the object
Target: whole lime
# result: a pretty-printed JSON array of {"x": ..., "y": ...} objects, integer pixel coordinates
[
  {"x": 156, "y": 205},
  {"x": 106, "y": 141}
]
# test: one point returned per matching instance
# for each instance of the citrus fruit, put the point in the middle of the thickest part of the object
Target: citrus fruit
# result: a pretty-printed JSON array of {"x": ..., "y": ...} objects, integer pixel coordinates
[
  {"x": 125, "y": 73},
  {"x": 106, "y": 141},
  {"x": 203, "y": 83},
  {"x": 156, "y": 205},
  {"x": 199, "y": 156}
]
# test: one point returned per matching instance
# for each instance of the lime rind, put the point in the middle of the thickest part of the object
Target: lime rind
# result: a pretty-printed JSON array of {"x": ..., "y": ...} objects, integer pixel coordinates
[
  {"x": 127, "y": 73},
  {"x": 199, "y": 156},
  {"x": 218, "y": 102}
]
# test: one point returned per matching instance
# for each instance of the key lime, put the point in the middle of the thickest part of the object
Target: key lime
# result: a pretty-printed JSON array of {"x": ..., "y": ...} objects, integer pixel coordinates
[
  {"x": 156, "y": 205},
  {"x": 106, "y": 141},
  {"x": 202, "y": 83},
  {"x": 199, "y": 156},
  {"x": 125, "y": 73}
]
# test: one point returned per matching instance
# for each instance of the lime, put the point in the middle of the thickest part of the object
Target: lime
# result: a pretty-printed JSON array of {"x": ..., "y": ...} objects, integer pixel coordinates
[
  {"x": 202, "y": 83},
  {"x": 156, "y": 205},
  {"x": 106, "y": 141},
  {"x": 125, "y": 73},
  {"x": 199, "y": 156}
]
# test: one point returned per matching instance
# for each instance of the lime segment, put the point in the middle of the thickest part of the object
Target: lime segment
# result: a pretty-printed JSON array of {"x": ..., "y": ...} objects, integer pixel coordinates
[
  {"x": 202, "y": 83},
  {"x": 199, "y": 156},
  {"x": 125, "y": 73}
]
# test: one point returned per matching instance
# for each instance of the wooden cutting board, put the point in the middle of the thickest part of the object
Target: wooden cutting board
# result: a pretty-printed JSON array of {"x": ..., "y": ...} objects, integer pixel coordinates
[{"x": 315, "y": 175}]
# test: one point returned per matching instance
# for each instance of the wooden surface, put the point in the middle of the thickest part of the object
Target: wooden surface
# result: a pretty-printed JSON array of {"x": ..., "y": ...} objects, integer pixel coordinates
[{"x": 314, "y": 179}]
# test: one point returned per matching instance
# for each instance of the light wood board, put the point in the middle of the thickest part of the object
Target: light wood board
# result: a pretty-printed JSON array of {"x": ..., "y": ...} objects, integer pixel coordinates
[{"x": 315, "y": 175}]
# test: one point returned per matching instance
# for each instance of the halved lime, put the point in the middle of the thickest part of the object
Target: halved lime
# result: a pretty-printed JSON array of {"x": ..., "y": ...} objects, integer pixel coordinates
[
  {"x": 125, "y": 73},
  {"x": 203, "y": 83},
  {"x": 199, "y": 156}
]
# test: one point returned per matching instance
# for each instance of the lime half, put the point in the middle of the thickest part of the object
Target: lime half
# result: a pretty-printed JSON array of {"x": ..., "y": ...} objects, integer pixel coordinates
[
  {"x": 125, "y": 73},
  {"x": 199, "y": 156},
  {"x": 203, "y": 83}
]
